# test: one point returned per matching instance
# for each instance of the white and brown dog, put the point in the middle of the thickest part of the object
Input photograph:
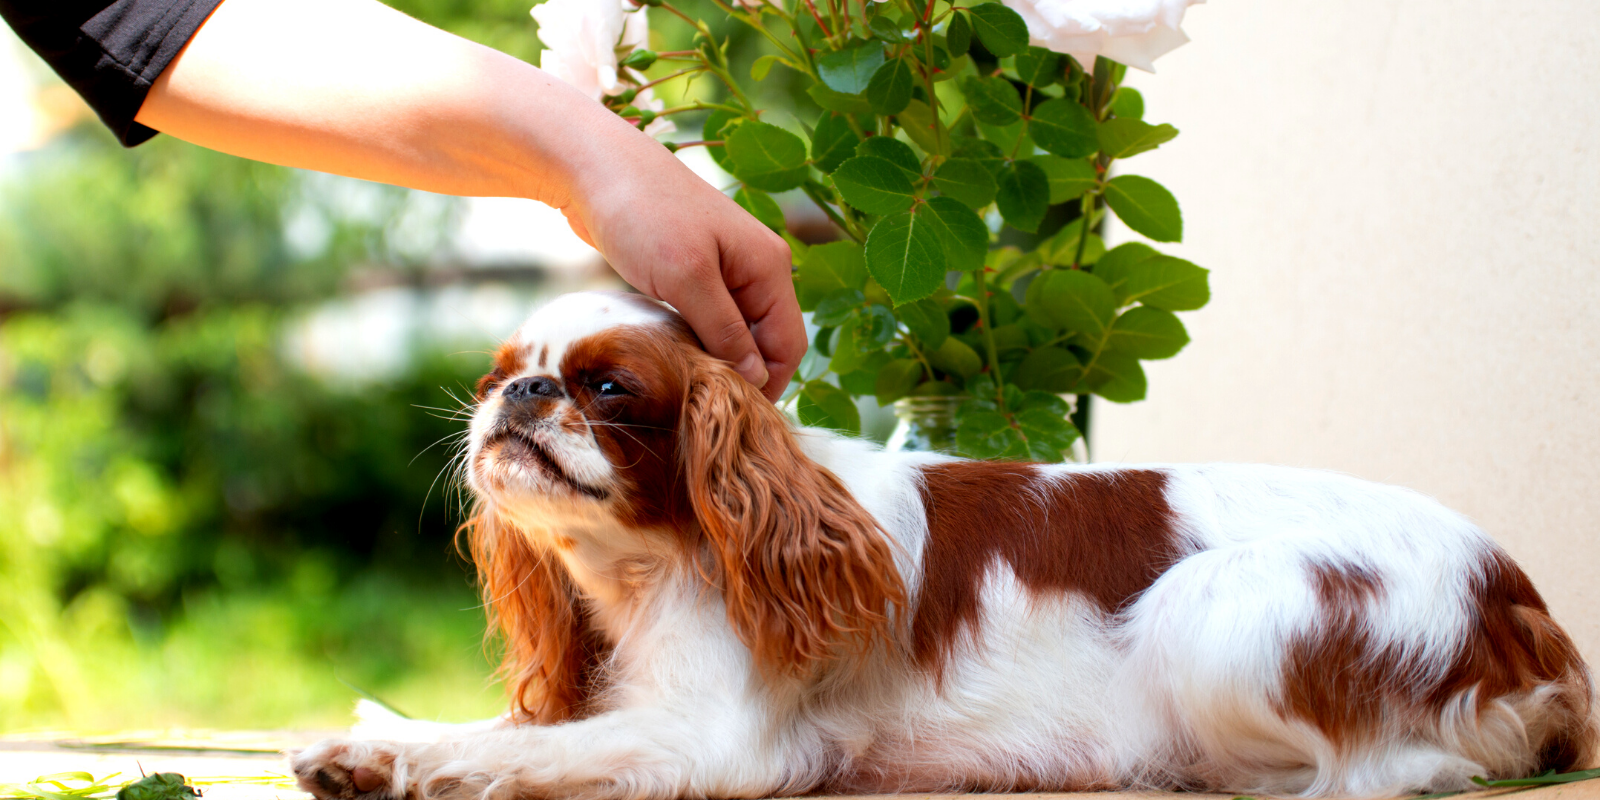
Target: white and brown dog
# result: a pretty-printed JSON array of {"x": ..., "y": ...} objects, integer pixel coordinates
[{"x": 699, "y": 599}]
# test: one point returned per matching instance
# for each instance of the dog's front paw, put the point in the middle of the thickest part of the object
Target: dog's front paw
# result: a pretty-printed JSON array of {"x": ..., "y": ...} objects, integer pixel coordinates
[{"x": 343, "y": 770}]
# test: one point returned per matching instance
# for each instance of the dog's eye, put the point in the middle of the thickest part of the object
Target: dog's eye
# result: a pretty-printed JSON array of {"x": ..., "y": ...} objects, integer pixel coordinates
[{"x": 611, "y": 388}]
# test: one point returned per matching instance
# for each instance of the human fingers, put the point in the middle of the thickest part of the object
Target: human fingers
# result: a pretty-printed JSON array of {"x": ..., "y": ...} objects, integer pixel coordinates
[
  {"x": 756, "y": 269},
  {"x": 696, "y": 289}
]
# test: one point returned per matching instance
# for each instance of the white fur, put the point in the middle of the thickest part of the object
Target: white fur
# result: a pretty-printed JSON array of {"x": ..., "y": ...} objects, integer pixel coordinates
[{"x": 1178, "y": 690}]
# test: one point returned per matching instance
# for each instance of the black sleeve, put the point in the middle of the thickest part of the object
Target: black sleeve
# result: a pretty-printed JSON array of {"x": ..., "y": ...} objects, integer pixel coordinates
[{"x": 110, "y": 51}]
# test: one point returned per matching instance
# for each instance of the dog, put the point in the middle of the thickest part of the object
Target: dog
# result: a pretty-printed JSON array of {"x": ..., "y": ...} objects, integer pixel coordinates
[{"x": 700, "y": 599}]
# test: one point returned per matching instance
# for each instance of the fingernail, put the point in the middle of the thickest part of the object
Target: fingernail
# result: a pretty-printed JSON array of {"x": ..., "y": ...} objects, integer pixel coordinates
[{"x": 753, "y": 370}]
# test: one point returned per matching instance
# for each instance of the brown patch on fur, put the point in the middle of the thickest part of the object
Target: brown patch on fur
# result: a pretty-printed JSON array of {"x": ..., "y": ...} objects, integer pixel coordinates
[
  {"x": 1338, "y": 679},
  {"x": 508, "y": 361},
  {"x": 544, "y": 355},
  {"x": 552, "y": 653},
  {"x": 804, "y": 567},
  {"x": 1106, "y": 535}
]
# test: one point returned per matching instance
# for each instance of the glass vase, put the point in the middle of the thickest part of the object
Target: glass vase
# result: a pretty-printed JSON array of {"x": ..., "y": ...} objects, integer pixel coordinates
[{"x": 925, "y": 424}]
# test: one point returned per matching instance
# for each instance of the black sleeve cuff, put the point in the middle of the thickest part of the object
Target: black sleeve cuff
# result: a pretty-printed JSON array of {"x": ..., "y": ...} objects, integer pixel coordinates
[{"x": 114, "y": 57}]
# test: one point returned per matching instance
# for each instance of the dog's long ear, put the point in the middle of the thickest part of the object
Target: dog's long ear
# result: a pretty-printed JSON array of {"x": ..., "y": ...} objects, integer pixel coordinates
[
  {"x": 804, "y": 567},
  {"x": 552, "y": 655}
]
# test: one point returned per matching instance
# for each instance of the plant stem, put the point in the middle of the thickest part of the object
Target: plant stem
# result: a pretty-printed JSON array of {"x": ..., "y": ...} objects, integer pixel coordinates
[
  {"x": 1087, "y": 206},
  {"x": 813, "y": 190},
  {"x": 988, "y": 338},
  {"x": 680, "y": 73}
]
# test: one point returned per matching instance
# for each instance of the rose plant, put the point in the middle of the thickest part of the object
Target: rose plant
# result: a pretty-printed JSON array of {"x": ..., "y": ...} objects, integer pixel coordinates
[{"x": 965, "y": 150}]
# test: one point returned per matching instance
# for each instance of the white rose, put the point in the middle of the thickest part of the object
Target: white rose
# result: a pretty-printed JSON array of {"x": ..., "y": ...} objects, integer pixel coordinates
[
  {"x": 1132, "y": 32},
  {"x": 582, "y": 37}
]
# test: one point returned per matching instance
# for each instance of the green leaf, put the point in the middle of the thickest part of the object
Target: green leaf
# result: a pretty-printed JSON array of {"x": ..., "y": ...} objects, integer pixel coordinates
[
  {"x": 876, "y": 325},
  {"x": 838, "y": 101},
  {"x": 1011, "y": 138},
  {"x": 1146, "y": 206},
  {"x": 763, "y": 65},
  {"x": 864, "y": 380},
  {"x": 1023, "y": 195},
  {"x": 894, "y": 151},
  {"x": 1127, "y": 103},
  {"x": 896, "y": 379},
  {"x": 1114, "y": 265},
  {"x": 967, "y": 181},
  {"x": 886, "y": 29},
  {"x": 906, "y": 257},
  {"x": 1117, "y": 378},
  {"x": 1124, "y": 137},
  {"x": 889, "y": 91},
  {"x": 1049, "y": 435},
  {"x": 1146, "y": 332},
  {"x": 1062, "y": 248},
  {"x": 873, "y": 185},
  {"x": 823, "y": 405},
  {"x": 927, "y": 321},
  {"x": 1039, "y": 67},
  {"x": 1050, "y": 369},
  {"x": 837, "y": 307},
  {"x": 1069, "y": 177},
  {"x": 1165, "y": 282},
  {"x": 917, "y": 121},
  {"x": 1072, "y": 300},
  {"x": 761, "y": 206},
  {"x": 828, "y": 268},
  {"x": 767, "y": 157},
  {"x": 716, "y": 124},
  {"x": 1064, "y": 128},
  {"x": 833, "y": 142},
  {"x": 1000, "y": 29},
  {"x": 993, "y": 101},
  {"x": 955, "y": 357},
  {"x": 961, "y": 232},
  {"x": 987, "y": 434},
  {"x": 850, "y": 350},
  {"x": 958, "y": 34},
  {"x": 984, "y": 152},
  {"x": 849, "y": 71}
]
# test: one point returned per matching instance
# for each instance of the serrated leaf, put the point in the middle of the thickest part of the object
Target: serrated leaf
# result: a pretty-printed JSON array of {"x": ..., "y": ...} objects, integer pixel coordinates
[
  {"x": 906, "y": 257},
  {"x": 894, "y": 151},
  {"x": 984, "y": 152},
  {"x": 1069, "y": 177},
  {"x": 848, "y": 71},
  {"x": 823, "y": 405},
  {"x": 958, "y": 34},
  {"x": 713, "y": 130},
  {"x": 1148, "y": 333},
  {"x": 1049, "y": 434},
  {"x": 1063, "y": 127},
  {"x": 1023, "y": 194},
  {"x": 833, "y": 142},
  {"x": 986, "y": 434},
  {"x": 767, "y": 157},
  {"x": 896, "y": 379},
  {"x": 828, "y": 268},
  {"x": 1039, "y": 67},
  {"x": 1001, "y": 30},
  {"x": 917, "y": 121},
  {"x": 1049, "y": 369},
  {"x": 966, "y": 180},
  {"x": 1145, "y": 206},
  {"x": 838, "y": 101},
  {"x": 1128, "y": 103},
  {"x": 1124, "y": 137},
  {"x": 886, "y": 29},
  {"x": 761, "y": 206},
  {"x": 873, "y": 185},
  {"x": 927, "y": 321},
  {"x": 955, "y": 357},
  {"x": 1116, "y": 377},
  {"x": 960, "y": 230},
  {"x": 836, "y": 307},
  {"x": 1165, "y": 282},
  {"x": 1071, "y": 300},
  {"x": 889, "y": 91},
  {"x": 993, "y": 101}
]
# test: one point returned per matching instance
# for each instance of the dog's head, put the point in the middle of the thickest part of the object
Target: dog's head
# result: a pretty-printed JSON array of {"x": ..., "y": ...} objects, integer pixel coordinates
[{"x": 604, "y": 425}]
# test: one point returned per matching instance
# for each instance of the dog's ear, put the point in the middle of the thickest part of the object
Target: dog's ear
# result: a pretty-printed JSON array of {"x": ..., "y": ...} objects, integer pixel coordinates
[
  {"x": 552, "y": 654},
  {"x": 804, "y": 567}
]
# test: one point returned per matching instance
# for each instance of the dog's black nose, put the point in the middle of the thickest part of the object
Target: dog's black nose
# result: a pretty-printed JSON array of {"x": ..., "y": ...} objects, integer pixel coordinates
[{"x": 526, "y": 388}]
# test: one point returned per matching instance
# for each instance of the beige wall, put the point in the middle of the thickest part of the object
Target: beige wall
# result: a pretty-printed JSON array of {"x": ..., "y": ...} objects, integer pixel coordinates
[{"x": 1400, "y": 206}]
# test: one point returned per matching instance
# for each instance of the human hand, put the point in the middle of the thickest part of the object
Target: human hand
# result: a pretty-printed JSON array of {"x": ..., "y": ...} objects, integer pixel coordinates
[{"x": 673, "y": 236}]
